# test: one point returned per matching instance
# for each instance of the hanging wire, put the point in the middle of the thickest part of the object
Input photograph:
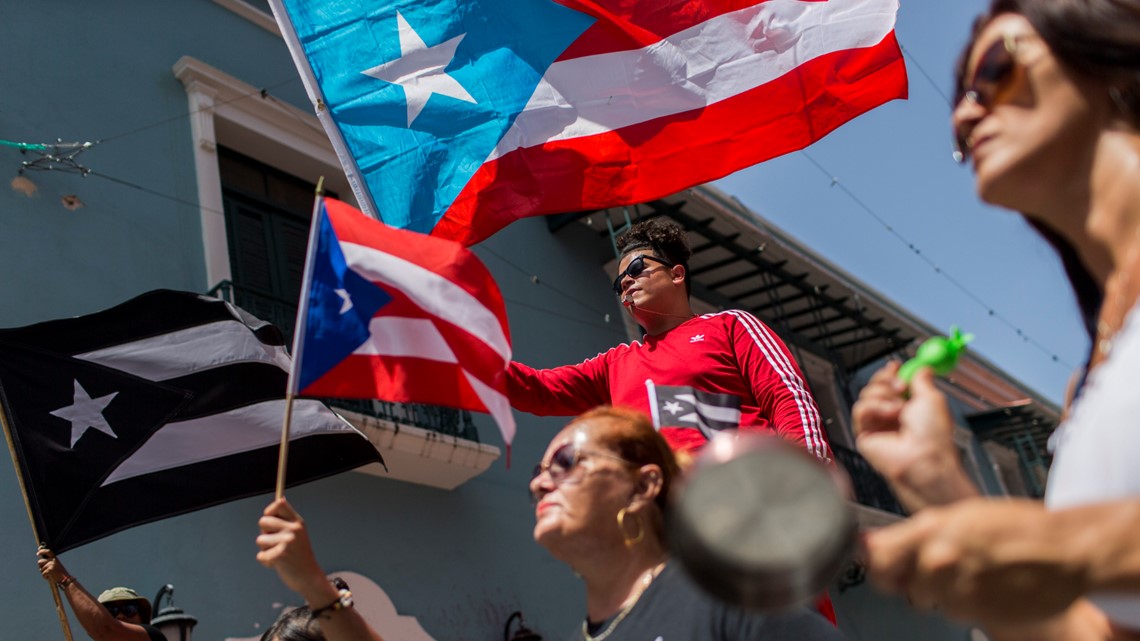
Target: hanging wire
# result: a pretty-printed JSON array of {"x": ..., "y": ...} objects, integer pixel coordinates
[
  {"x": 835, "y": 182},
  {"x": 534, "y": 278},
  {"x": 922, "y": 70},
  {"x": 145, "y": 190},
  {"x": 609, "y": 328},
  {"x": 182, "y": 116}
]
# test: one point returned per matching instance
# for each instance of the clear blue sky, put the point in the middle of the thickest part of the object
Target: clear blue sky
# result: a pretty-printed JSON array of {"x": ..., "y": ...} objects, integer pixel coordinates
[{"x": 896, "y": 160}]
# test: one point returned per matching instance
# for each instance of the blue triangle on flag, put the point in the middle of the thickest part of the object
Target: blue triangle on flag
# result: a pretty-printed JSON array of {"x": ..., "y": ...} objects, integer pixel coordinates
[
  {"x": 341, "y": 305},
  {"x": 502, "y": 48}
]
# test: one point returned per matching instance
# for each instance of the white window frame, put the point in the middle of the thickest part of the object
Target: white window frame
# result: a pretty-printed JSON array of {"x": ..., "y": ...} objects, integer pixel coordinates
[
  {"x": 258, "y": 126},
  {"x": 251, "y": 13},
  {"x": 283, "y": 136}
]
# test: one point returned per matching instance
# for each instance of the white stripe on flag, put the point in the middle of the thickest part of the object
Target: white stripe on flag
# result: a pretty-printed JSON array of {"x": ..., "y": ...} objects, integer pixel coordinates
[
  {"x": 431, "y": 292},
  {"x": 189, "y": 350},
  {"x": 414, "y": 337},
  {"x": 651, "y": 390},
  {"x": 717, "y": 413},
  {"x": 702, "y": 65},
  {"x": 498, "y": 406},
  {"x": 241, "y": 430}
]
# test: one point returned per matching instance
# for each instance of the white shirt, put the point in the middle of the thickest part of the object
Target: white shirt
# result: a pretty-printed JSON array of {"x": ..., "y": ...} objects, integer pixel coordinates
[{"x": 1097, "y": 450}]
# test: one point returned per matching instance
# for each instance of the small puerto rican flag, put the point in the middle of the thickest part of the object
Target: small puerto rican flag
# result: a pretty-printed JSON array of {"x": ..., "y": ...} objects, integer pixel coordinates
[
  {"x": 680, "y": 406},
  {"x": 391, "y": 314}
]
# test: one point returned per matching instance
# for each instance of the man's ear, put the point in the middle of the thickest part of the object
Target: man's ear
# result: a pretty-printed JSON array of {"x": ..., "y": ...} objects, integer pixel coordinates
[{"x": 678, "y": 272}]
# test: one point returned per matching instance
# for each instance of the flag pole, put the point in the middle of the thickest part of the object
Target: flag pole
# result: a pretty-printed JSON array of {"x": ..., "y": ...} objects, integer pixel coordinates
[
  {"x": 298, "y": 333},
  {"x": 32, "y": 520},
  {"x": 283, "y": 452}
]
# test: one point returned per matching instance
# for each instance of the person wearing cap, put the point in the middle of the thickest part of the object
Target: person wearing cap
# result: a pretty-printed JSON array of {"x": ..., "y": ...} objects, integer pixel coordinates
[{"x": 119, "y": 614}]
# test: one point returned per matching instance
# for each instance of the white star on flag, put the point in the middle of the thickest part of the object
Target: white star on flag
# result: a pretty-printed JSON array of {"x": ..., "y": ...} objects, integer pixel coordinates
[
  {"x": 85, "y": 413},
  {"x": 420, "y": 69},
  {"x": 347, "y": 305},
  {"x": 672, "y": 407}
]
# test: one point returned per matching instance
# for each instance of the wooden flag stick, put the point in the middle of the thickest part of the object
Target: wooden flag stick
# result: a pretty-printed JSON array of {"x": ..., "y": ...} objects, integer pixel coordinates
[
  {"x": 299, "y": 329},
  {"x": 283, "y": 453},
  {"x": 32, "y": 520}
]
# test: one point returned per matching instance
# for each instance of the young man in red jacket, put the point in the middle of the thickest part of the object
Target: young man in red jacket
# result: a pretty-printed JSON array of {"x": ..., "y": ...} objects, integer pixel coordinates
[{"x": 730, "y": 352}]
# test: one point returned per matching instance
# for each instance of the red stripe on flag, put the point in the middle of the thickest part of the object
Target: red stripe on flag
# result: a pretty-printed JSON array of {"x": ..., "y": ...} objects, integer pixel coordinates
[
  {"x": 656, "y": 158},
  {"x": 398, "y": 379},
  {"x": 475, "y": 356}
]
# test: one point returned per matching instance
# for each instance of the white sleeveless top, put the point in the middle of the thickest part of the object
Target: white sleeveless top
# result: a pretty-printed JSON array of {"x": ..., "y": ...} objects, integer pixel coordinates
[{"x": 1097, "y": 450}]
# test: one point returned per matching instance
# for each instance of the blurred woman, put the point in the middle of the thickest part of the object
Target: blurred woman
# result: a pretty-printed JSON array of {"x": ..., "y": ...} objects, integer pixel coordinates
[
  {"x": 601, "y": 496},
  {"x": 1048, "y": 112}
]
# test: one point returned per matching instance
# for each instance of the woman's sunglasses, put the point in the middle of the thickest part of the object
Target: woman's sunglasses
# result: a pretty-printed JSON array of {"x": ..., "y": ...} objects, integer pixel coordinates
[
  {"x": 563, "y": 461},
  {"x": 127, "y": 609},
  {"x": 635, "y": 268},
  {"x": 994, "y": 78}
]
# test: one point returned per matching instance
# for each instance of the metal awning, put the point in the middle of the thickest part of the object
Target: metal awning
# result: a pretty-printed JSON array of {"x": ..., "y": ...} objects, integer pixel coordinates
[{"x": 1009, "y": 425}]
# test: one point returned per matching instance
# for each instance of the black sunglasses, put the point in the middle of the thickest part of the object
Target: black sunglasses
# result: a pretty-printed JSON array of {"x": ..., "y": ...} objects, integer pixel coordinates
[
  {"x": 994, "y": 76},
  {"x": 636, "y": 267},
  {"x": 126, "y": 609}
]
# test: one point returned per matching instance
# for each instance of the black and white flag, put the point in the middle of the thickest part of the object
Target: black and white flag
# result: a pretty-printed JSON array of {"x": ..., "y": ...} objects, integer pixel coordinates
[
  {"x": 679, "y": 406},
  {"x": 168, "y": 403}
]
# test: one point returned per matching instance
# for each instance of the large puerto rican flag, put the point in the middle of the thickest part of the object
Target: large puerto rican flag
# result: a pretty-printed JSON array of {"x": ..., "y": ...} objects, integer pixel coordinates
[
  {"x": 457, "y": 117},
  {"x": 390, "y": 314}
]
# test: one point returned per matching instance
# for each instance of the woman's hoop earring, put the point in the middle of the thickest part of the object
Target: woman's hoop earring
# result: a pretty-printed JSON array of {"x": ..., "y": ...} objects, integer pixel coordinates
[{"x": 630, "y": 541}]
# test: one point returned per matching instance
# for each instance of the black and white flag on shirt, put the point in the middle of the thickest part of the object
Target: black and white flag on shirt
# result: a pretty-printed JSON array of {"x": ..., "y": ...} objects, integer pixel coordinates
[
  {"x": 168, "y": 403},
  {"x": 678, "y": 406}
]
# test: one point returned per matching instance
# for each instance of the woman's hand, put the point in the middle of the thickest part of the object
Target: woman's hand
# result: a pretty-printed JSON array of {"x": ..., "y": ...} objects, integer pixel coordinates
[
  {"x": 285, "y": 547},
  {"x": 995, "y": 562},
  {"x": 910, "y": 441}
]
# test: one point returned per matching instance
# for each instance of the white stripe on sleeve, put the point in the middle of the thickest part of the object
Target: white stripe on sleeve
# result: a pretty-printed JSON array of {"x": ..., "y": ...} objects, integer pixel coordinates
[{"x": 809, "y": 415}]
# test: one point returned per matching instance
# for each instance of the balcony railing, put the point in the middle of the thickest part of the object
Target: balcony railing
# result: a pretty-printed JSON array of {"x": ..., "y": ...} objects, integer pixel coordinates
[
  {"x": 283, "y": 314},
  {"x": 870, "y": 488}
]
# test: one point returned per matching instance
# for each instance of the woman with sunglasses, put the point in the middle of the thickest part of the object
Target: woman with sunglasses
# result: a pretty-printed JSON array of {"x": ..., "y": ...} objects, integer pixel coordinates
[
  {"x": 601, "y": 499},
  {"x": 1048, "y": 112},
  {"x": 729, "y": 353}
]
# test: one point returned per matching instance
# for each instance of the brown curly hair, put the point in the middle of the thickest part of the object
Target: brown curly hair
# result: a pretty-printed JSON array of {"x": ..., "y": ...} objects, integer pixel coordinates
[{"x": 665, "y": 238}]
